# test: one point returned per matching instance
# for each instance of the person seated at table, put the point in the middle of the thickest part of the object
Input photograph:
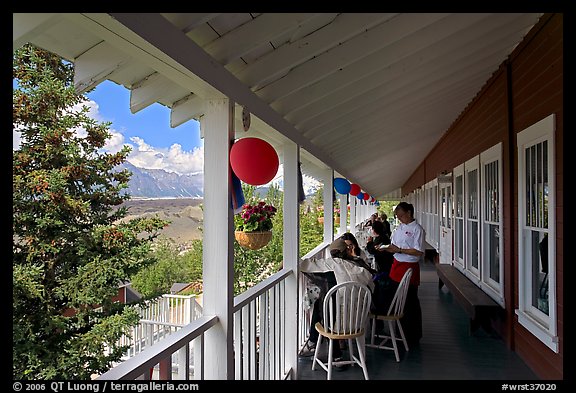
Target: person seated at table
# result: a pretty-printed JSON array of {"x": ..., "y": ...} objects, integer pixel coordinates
[
  {"x": 387, "y": 228},
  {"x": 370, "y": 221},
  {"x": 325, "y": 273},
  {"x": 355, "y": 248},
  {"x": 382, "y": 258}
]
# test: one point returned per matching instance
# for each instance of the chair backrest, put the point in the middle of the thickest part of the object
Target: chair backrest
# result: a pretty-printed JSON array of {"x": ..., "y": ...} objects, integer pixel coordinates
[
  {"x": 399, "y": 300},
  {"x": 346, "y": 308}
]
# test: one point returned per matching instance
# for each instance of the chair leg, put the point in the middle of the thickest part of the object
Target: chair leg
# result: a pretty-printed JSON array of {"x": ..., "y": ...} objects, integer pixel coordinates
[
  {"x": 393, "y": 337},
  {"x": 373, "y": 330},
  {"x": 402, "y": 335},
  {"x": 362, "y": 354},
  {"x": 351, "y": 349},
  {"x": 316, "y": 350},
  {"x": 330, "y": 348}
]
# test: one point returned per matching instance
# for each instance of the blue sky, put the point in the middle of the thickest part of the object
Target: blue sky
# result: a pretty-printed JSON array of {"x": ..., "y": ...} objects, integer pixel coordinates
[{"x": 155, "y": 145}]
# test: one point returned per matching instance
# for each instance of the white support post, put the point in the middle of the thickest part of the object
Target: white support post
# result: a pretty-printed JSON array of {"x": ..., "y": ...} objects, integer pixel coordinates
[
  {"x": 291, "y": 252},
  {"x": 218, "y": 246},
  {"x": 353, "y": 201},
  {"x": 328, "y": 197},
  {"x": 343, "y": 200}
]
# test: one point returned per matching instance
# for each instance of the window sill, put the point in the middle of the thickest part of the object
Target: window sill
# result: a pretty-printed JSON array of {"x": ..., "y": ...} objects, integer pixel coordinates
[{"x": 538, "y": 330}]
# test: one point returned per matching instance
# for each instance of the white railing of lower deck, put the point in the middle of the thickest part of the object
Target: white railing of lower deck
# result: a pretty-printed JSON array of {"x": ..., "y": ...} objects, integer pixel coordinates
[
  {"x": 261, "y": 352},
  {"x": 259, "y": 321},
  {"x": 159, "y": 318},
  {"x": 139, "y": 366}
]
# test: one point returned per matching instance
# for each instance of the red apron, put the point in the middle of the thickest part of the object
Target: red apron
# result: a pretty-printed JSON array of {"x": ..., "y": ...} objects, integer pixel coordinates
[{"x": 399, "y": 268}]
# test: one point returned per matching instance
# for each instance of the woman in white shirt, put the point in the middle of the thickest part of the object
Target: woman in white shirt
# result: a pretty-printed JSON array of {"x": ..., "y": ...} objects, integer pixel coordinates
[{"x": 407, "y": 245}]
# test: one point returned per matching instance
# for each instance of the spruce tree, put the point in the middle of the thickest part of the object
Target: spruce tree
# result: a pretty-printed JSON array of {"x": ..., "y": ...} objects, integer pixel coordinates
[{"x": 72, "y": 246}]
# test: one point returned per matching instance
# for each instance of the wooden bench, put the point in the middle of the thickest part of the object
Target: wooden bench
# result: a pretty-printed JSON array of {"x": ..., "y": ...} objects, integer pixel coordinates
[{"x": 480, "y": 307}]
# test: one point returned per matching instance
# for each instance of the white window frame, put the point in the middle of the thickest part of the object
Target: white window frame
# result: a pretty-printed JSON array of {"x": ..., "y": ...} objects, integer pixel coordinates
[
  {"x": 493, "y": 288},
  {"x": 431, "y": 223},
  {"x": 470, "y": 271},
  {"x": 542, "y": 326},
  {"x": 419, "y": 205},
  {"x": 458, "y": 262}
]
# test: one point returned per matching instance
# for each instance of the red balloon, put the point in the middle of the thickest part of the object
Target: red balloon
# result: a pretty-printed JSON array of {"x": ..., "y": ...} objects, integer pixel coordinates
[
  {"x": 254, "y": 161},
  {"x": 366, "y": 196},
  {"x": 354, "y": 189},
  {"x": 372, "y": 199}
]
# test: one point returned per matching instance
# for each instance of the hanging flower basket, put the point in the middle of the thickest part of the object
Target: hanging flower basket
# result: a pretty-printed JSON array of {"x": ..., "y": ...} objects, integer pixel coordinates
[
  {"x": 321, "y": 220},
  {"x": 254, "y": 225},
  {"x": 253, "y": 240},
  {"x": 337, "y": 220}
]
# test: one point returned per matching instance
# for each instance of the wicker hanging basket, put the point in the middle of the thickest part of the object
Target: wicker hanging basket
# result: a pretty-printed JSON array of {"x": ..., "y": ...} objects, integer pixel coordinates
[{"x": 253, "y": 240}]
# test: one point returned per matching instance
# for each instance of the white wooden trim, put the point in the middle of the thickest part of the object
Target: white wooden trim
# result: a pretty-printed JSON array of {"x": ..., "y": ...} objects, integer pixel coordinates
[
  {"x": 527, "y": 315},
  {"x": 472, "y": 272},
  {"x": 353, "y": 201},
  {"x": 346, "y": 53},
  {"x": 218, "y": 245},
  {"x": 291, "y": 252},
  {"x": 491, "y": 287},
  {"x": 288, "y": 56},
  {"x": 96, "y": 65},
  {"x": 343, "y": 202},
  {"x": 189, "y": 107},
  {"x": 328, "y": 196},
  {"x": 25, "y": 26},
  {"x": 250, "y": 35},
  {"x": 459, "y": 171}
]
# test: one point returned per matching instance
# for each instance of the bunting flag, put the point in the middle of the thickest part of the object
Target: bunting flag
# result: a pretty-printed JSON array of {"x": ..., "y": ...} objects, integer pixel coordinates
[
  {"x": 301, "y": 193},
  {"x": 237, "y": 198}
]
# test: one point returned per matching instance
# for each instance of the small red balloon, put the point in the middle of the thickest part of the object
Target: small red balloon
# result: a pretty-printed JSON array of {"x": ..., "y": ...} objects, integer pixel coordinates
[
  {"x": 366, "y": 197},
  {"x": 354, "y": 189},
  {"x": 254, "y": 161}
]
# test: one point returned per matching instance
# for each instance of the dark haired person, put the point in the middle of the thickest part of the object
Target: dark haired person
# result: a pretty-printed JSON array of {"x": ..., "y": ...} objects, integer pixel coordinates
[
  {"x": 407, "y": 245},
  {"x": 355, "y": 250},
  {"x": 382, "y": 258}
]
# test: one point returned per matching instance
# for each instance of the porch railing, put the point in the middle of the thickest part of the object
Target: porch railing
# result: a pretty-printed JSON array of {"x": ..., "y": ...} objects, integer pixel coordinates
[
  {"x": 159, "y": 318},
  {"x": 259, "y": 334}
]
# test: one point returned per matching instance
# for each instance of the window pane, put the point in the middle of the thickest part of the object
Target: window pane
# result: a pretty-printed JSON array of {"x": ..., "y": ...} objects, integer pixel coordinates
[
  {"x": 492, "y": 250},
  {"x": 449, "y": 207},
  {"x": 473, "y": 243},
  {"x": 538, "y": 245},
  {"x": 459, "y": 196},
  {"x": 460, "y": 238},
  {"x": 473, "y": 194}
]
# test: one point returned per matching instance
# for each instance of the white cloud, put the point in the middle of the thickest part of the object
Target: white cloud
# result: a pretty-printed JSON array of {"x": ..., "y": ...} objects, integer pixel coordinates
[
  {"x": 143, "y": 155},
  {"x": 172, "y": 159}
]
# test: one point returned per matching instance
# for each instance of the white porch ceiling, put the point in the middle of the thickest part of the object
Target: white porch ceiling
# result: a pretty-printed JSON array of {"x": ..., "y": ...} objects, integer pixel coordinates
[{"x": 368, "y": 95}]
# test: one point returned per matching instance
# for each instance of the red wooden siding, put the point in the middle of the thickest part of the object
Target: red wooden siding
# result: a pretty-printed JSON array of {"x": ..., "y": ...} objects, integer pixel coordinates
[
  {"x": 525, "y": 89},
  {"x": 537, "y": 91}
]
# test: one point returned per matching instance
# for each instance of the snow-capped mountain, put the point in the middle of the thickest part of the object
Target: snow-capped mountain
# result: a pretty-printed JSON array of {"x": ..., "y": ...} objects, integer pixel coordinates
[{"x": 158, "y": 183}]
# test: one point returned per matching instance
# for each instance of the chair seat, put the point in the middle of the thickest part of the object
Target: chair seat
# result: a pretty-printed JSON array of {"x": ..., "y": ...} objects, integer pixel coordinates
[
  {"x": 386, "y": 317},
  {"x": 336, "y": 336}
]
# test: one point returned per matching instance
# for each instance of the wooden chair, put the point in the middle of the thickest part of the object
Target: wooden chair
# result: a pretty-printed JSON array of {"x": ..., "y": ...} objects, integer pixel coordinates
[
  {"x": 395, "y": 313},
  {"x": 345, "y": 316}
]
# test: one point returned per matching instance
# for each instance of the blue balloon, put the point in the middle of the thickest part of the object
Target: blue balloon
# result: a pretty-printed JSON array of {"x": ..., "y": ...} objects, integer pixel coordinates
[
  {"x": 360, "y": 196},
  {"x": 341, "y": 185}
]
